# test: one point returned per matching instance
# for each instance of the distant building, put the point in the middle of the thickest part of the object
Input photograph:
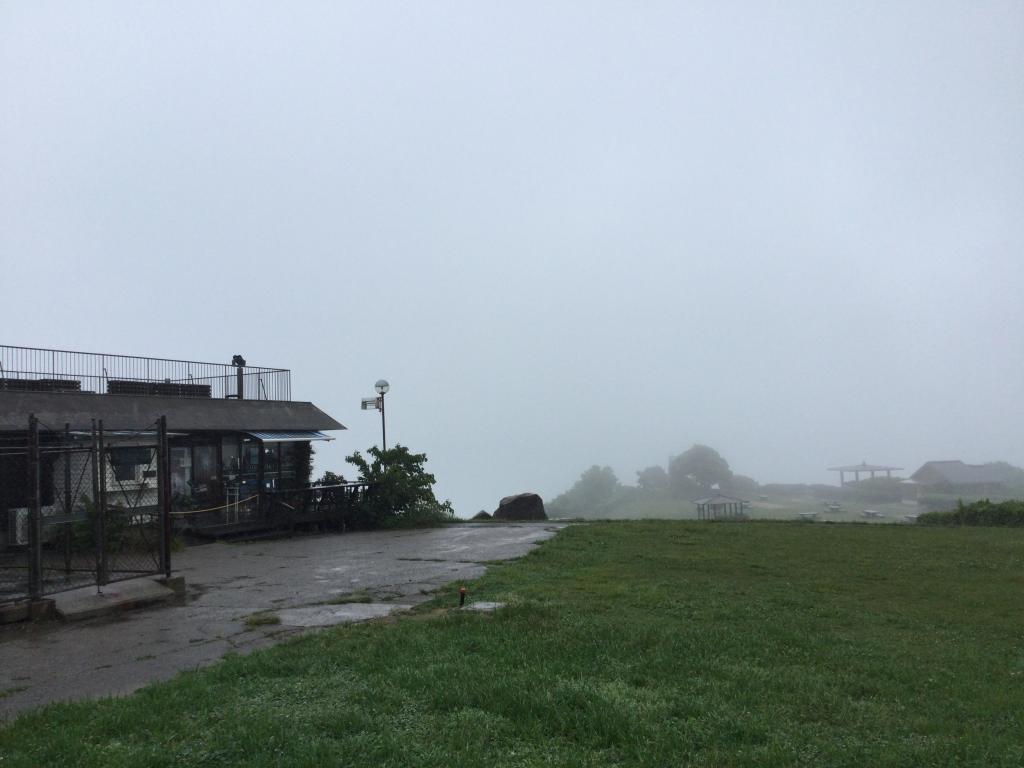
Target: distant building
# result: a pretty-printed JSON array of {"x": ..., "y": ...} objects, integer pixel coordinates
[
  {"x": 721, "y": 507},
  {"x": 955, "y": 476}
]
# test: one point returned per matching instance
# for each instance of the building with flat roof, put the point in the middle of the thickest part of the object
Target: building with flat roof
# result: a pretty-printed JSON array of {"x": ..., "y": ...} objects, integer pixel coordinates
[{"x": 235, "y": 435}]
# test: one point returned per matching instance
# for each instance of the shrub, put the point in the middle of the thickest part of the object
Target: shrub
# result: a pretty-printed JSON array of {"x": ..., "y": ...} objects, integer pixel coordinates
[
  {"x": 937, "y": 502},
  {"x": 116, "y": 528},
  {"x": 401, "y": 491},
  {"x": 982, "y": 513}
]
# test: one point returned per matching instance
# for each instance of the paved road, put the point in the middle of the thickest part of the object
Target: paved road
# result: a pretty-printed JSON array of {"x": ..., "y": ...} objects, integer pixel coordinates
[{"x": 49, "y": 662}]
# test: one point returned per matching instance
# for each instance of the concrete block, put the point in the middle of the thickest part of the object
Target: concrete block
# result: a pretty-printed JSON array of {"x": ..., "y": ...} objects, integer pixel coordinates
[
  {"x": 174, "y": 583},
  {"x": 13, "y": 612},
  {"x": 41, "y": 610}
]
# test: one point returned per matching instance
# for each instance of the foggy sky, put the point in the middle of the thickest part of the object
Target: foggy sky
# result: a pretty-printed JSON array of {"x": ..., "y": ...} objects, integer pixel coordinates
[{"x": 567, "y": 233}]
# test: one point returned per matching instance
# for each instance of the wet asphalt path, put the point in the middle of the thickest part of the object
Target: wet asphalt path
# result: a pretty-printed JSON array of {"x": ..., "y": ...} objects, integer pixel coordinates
[{"x": 52, "y": 661}]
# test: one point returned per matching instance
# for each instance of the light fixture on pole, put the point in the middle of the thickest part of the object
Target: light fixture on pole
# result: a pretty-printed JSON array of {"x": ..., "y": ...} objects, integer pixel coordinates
[{"x": 377, "y": 403}]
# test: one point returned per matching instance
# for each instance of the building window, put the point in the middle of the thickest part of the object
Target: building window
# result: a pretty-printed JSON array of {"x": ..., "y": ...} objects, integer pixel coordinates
[
  {"x": 271, "y": 462},
  {"x": 230, "y": 457},
  {"x": 287, "y": 459},
  {"x": 181, "y": 471},
  {"x": 204, "y": 470},
  {"x": 130, "y": 464},
  {"x": 250, "y": 457}
]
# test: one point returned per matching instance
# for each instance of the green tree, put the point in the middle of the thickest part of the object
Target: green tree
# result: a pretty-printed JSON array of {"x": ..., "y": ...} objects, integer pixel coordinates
[
  {"x": 329, "y": 478},
  {"x": 653, "y": 480},
  {"x": 596, "y": 486},
  {"x": 701, "y": 467},
  {"x": 742, "y": 485},
  {"x": 401, "y": 491},
  {"x": 591, "y": 494}
]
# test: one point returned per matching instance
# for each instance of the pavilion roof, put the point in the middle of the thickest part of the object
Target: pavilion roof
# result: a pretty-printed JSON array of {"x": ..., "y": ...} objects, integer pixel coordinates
[
  {"x": 864, "y": 467},
  {"x": 719, "y": 500}
]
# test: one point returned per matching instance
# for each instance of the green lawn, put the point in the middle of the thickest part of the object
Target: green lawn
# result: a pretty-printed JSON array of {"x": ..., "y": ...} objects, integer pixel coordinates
[{"x": 650, "y": 643}]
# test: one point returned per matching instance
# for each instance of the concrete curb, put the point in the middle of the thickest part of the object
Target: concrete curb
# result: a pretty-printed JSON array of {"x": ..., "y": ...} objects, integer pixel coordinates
[{"x": 86, "y": 603}]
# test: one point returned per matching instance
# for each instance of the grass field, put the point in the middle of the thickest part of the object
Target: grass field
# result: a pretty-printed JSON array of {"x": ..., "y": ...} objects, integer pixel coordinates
[{"x": 650, "y": 643}]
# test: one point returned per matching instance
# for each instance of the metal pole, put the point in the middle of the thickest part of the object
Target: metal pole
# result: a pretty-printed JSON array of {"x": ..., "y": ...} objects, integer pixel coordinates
[
  {"x": 35, "y": 539},
  {"x": 67, "y": 499},
  {"x": 262, "y": 507},
  {"x": 163, "y": 496},
  {"x": 94, "y": 453},
  {"x": 383, "y": 426},
  {"x": 101, "y": 512}
]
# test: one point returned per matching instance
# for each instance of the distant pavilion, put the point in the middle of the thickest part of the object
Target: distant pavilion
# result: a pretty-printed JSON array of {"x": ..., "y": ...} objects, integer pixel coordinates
[
  {"x": 720, "y": 507},
  {"x": 856, "y": 469}
]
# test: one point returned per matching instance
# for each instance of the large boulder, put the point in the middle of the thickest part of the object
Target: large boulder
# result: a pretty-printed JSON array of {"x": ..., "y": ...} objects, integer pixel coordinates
[{"x": 522, "y": 506}]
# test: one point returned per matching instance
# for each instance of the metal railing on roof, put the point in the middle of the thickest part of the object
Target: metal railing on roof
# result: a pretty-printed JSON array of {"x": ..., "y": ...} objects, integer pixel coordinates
[{"x": 30, "y": 369}]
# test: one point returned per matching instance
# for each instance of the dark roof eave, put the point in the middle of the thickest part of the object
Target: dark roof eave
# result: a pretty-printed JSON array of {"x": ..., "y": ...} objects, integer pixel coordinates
[{"x": 55, "y": 409}]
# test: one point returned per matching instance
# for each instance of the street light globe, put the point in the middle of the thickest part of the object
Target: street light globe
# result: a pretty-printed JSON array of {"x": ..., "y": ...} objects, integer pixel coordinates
[{"x": 382, "y": 387}]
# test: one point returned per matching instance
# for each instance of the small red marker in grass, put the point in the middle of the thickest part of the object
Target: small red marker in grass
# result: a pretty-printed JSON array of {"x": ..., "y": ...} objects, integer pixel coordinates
[{"x": 462, "y": 596}]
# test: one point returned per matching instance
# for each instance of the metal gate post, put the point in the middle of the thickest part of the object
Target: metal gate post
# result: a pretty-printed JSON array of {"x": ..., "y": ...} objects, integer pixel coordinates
[
  {"x": 67, "y": 500},
  {"x": 101, "y": 510},
  {"x": 94, "y": 452},
  {"x": 35, "y": 539},
  {"x": 164, "y": 495}
]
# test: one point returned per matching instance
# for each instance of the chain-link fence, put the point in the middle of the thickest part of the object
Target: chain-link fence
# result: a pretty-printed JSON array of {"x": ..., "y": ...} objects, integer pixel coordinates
[
  {"x": 130, "y": 491},
  {"x": 81, "y": 507},
  {"x": 67, "y": 549},
  {"x": 14, "y": 529}
]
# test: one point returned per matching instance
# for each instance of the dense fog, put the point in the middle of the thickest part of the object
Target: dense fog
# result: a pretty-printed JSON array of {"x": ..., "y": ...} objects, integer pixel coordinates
[{"x": 568, "y": 234}]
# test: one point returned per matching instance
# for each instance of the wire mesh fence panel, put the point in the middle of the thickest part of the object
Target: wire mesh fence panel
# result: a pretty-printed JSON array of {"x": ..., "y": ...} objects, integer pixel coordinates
[
  {"x": 14, "y": 517},
  {"x": 80, "y": 508},
  {"x": 131, "y": 524},
  {"x": 68, "y": 545}
]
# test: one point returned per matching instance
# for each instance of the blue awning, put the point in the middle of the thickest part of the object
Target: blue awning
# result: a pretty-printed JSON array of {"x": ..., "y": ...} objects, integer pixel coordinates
[{"x": 289, "y": 437}]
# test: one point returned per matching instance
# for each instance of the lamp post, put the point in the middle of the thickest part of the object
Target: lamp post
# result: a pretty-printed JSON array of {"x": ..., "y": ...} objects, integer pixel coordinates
[{"x": 382, "y": 388}]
